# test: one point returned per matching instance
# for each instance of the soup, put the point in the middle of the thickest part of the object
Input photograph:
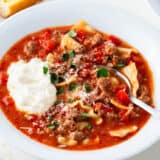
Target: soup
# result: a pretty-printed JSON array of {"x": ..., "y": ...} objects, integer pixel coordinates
[{"x": 56, "y": 87}]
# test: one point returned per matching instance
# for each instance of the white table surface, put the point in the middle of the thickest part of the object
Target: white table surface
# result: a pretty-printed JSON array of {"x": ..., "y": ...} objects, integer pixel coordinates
[{"x": 140, "y": 8}]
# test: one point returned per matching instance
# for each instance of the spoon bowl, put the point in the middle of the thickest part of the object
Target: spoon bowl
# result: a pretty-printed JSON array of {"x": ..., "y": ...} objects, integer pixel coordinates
[{"x": 155, "y": 113}]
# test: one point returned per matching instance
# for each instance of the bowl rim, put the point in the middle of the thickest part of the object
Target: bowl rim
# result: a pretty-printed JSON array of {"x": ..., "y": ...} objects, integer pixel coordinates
[{"x": 31, "y": 146}]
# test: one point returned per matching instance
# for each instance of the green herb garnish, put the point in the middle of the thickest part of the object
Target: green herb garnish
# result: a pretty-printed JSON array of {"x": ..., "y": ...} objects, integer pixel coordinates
[
  {"x": 60, "y": 79},
  {"x": 120, "y": 65},
  {"x": 53, "y": 125},
  {"x": 72, "y": 33},
  {"x": 85, "y": 115},
  {"x": 87, "y": 87},
  {"x": 60, "y": 90},
  {"x": 70, "y": 100},
  {"x": 57, "y": 102},
  {"x": 65, "y": 57},
  {"x": 72, "y": 66},
  {"x": 45, "y": 70},
  {"x": 102, "y": 72},
  {"x": 71, "y": 54},
  {"x": 88, "y": 126},
  {"x": 72, "y": 86},
  {"x": 53, "y": 78}
]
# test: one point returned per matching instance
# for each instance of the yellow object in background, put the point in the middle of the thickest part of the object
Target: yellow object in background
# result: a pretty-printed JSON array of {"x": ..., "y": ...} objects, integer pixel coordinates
[{"x": 9, "y": 7}]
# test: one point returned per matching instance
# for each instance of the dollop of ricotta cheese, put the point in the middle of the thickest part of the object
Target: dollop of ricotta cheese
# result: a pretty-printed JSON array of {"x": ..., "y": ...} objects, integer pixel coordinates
[{"x": 30, "y": 88}]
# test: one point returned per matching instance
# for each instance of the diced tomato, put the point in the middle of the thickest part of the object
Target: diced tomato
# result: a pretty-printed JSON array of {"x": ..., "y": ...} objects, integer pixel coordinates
[
  {"x": 121, "y": 87},
  {"x": 101, "y": 106},
  {"x": 98, "y": 56},
  {"x": 81, "y": 34},
  {"x": 122, "y": 97},
  {"x": 48, "y": 45},
  {"x": 59, "y": 60},
  {"x": 8, "y": 101},
  {"x": 136, "y": 58},
  {"x": 114, "y": 39},
  {"x": 128, "y": 60},
  {"x": 42, "y": 54},
  {"x": 3, "y": 78}
]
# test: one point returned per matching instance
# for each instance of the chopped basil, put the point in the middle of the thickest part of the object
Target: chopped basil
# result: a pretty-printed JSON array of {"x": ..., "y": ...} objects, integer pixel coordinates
[
  {"x": 120, "y": 65},
  {"x": 60, "y": 90},
  {"x": 87, "y": 87},
  {"x": 45, "y": 70},
  {"x": 70, "y": 100},
  {"x": 72, "y": 33},
  {"x": 53, "y": 125},
  {"x": 60, "y": 79},
  {"x": 53, "y": 78},
  {"x": 71, "y": 54},
  {"x": 65, "y": 57},
  {"x": 57, "y": 102},
  {"x": 85, "y": 115},
  {"x": 102, "y": 72},
  {"x": 72, "y": 66},
  {"x": 89, "y": 126},
  {"x": 72, "y": 86}
]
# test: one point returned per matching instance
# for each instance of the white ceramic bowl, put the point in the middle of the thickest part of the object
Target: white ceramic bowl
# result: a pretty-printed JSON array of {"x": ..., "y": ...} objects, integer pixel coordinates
[
  {"x": 105, "y": 18},
  {"x": 155, "y": 5}
]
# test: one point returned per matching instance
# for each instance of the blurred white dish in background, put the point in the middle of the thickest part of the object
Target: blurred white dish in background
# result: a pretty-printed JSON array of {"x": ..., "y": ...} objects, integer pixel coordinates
[{"x": 155, "y": 5}]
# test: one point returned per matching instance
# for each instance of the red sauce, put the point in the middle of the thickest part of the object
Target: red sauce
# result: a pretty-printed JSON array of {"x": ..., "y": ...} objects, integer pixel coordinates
[{"x": 17, "y": 118}]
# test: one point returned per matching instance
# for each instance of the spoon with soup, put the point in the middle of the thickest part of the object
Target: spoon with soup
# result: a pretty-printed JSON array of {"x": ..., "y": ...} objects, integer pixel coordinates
[{"x": 155, "y": 113}]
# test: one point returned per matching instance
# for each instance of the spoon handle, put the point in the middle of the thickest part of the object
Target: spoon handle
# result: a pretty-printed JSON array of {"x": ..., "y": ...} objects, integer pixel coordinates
[{"x": 155, "y": 113}]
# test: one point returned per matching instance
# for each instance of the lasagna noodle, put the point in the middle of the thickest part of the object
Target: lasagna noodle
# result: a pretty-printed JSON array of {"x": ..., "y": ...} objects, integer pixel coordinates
[
  {"x": 123, "y": 132},
  {"x": 83, "y": 25},
  {"x": 126, "y": 52},
  {"x": 118, "y": 105},
  {"x": 67, "y": 81},
  {"x": 67, "y": 142},
  {"x": 131, "y": 72},
  {"x": 90, "y": 111},
  {"x": 69, "y": 43}
]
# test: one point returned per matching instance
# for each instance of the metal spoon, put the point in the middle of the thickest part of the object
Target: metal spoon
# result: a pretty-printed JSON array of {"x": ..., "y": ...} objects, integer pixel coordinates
[{"x": 155, "y": 113}]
